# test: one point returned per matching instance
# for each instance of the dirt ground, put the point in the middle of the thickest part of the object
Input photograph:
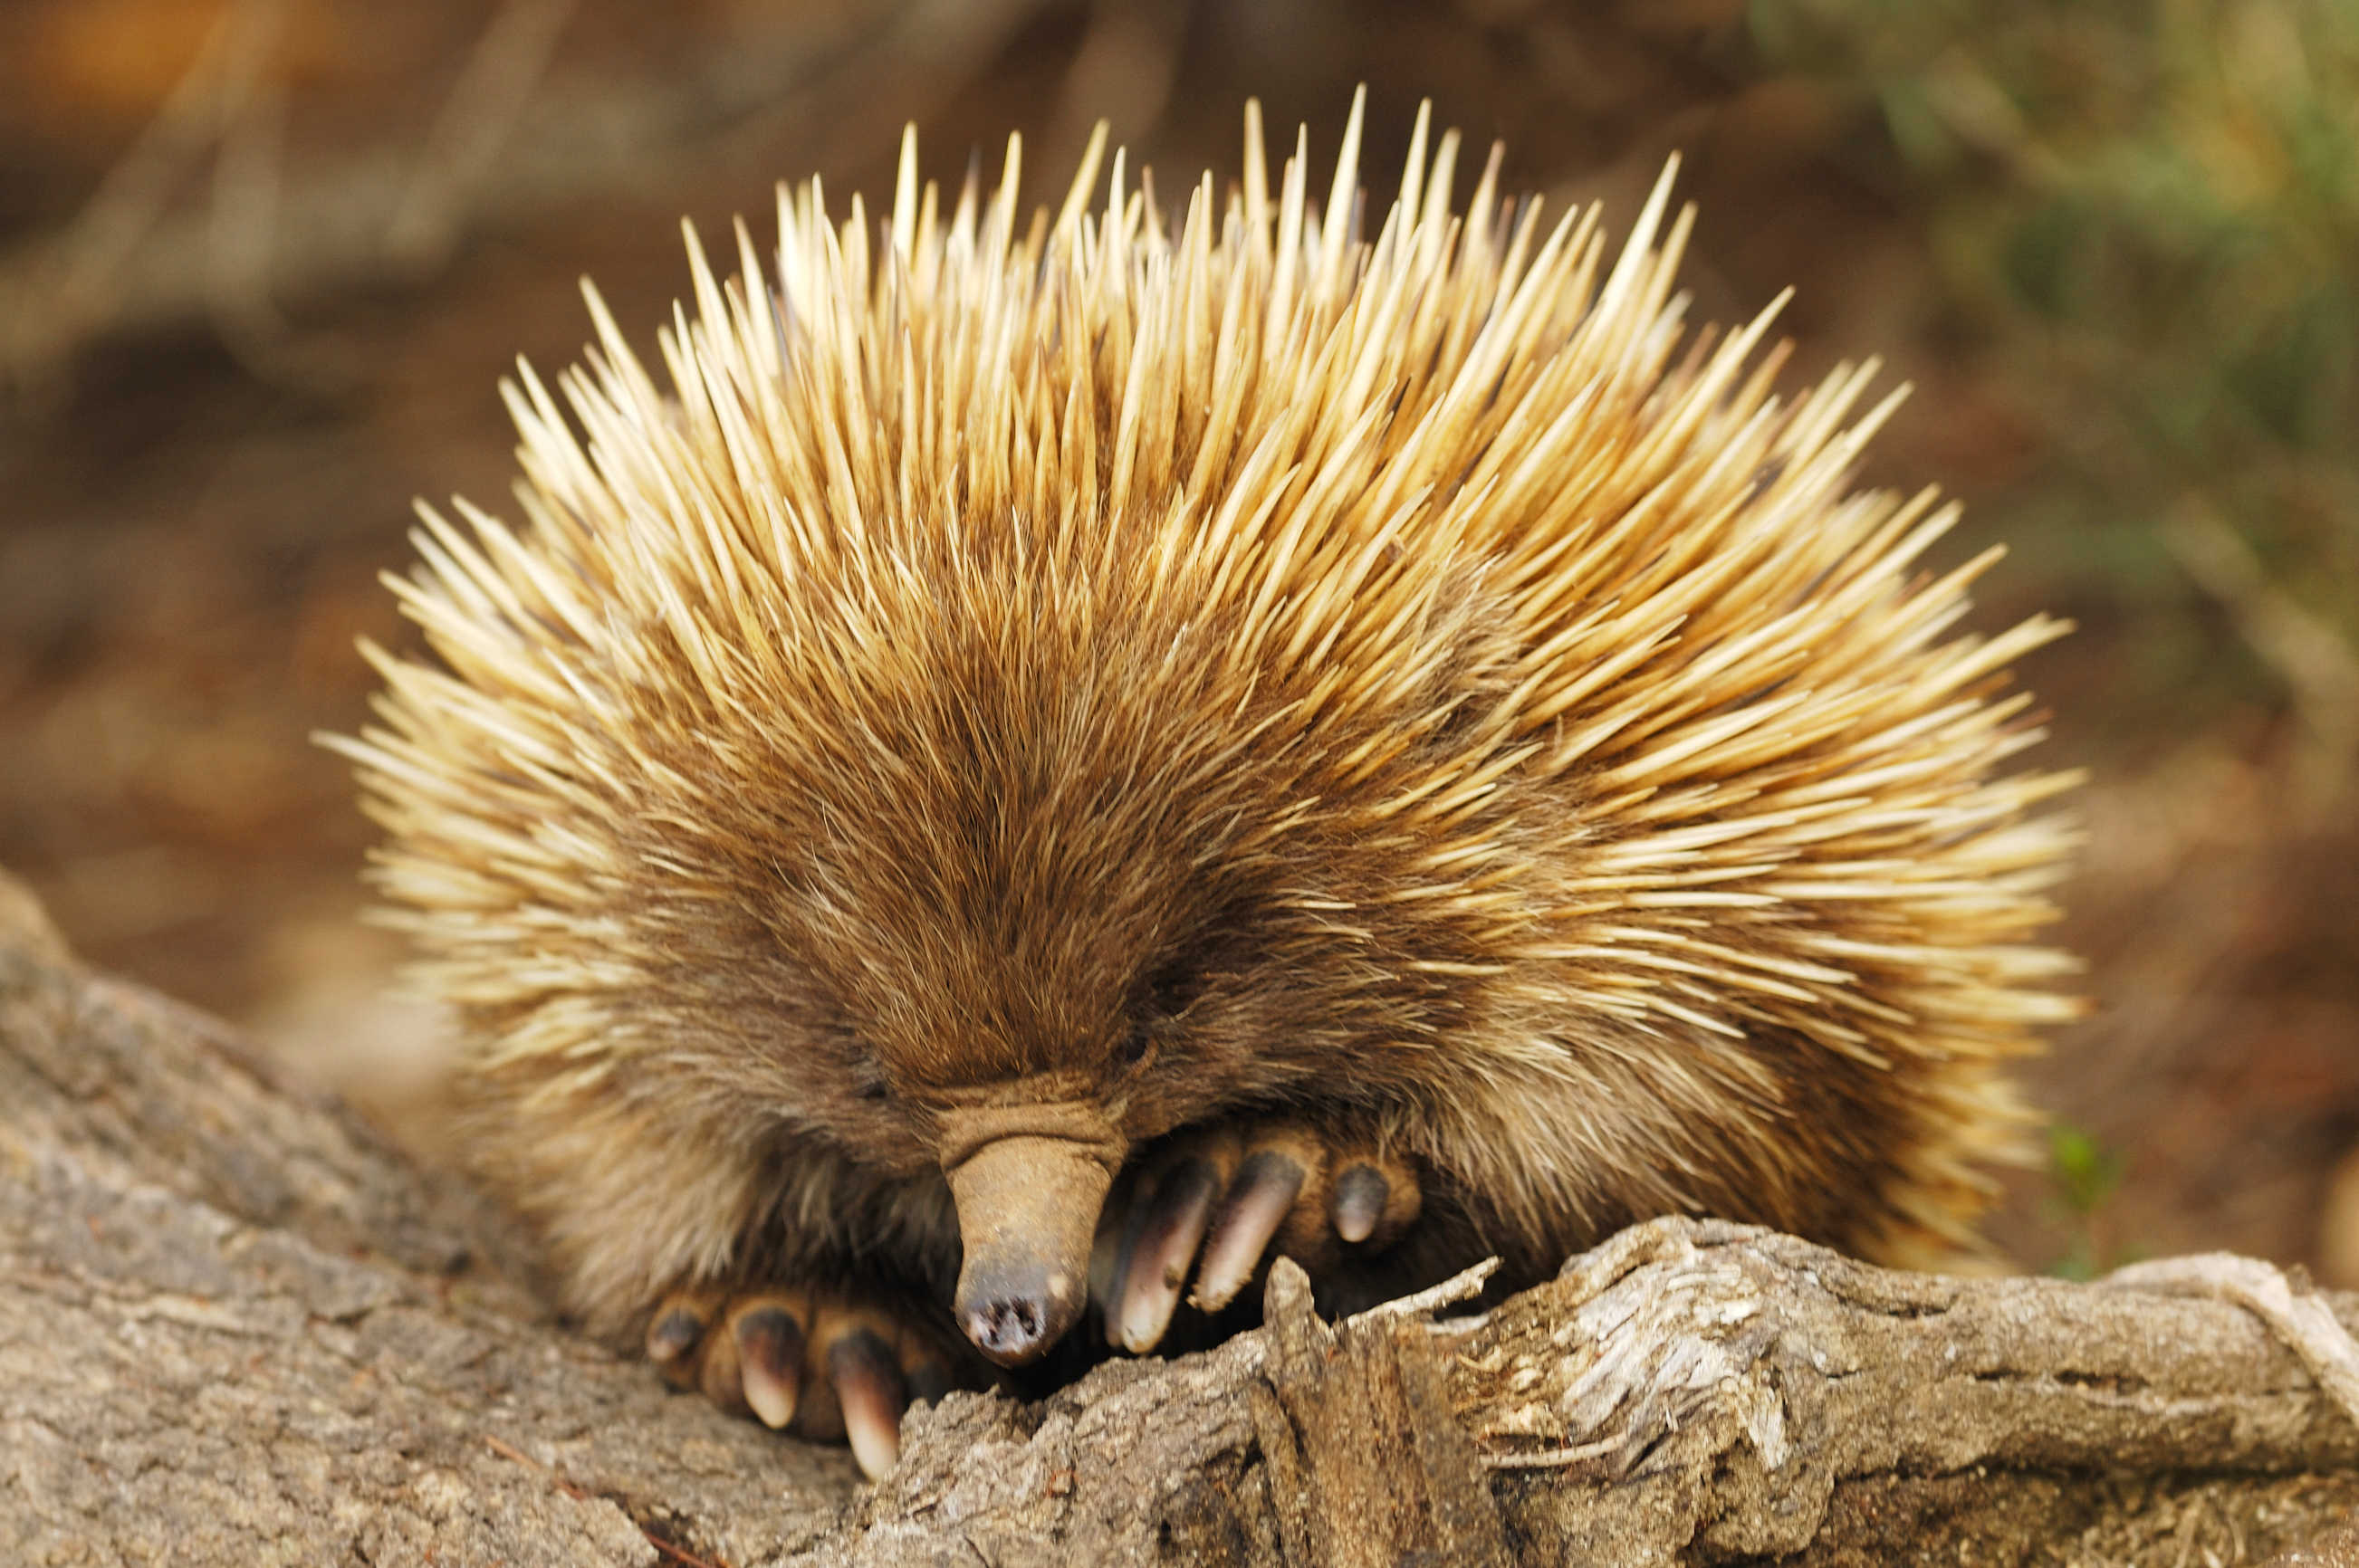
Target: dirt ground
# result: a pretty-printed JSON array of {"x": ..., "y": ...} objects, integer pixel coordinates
[{"x": 204, "y": 468}]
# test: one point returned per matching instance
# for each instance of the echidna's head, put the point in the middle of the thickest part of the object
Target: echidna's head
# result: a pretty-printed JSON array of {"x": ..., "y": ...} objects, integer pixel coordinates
[
  {"x": 1013, "y": 880},
  {"x": 1022, "y": 696}
]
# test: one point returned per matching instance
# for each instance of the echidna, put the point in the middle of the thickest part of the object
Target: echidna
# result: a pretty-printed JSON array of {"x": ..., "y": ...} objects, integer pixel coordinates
[{"x": 1360, "y": 748}]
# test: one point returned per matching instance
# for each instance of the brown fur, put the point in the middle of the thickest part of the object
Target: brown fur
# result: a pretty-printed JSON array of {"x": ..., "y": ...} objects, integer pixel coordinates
[{"x": 1233, "y": 670}]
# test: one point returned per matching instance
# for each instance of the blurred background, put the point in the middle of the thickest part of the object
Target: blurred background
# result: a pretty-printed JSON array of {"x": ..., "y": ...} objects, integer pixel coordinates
[{"x": 262, "y": 261}]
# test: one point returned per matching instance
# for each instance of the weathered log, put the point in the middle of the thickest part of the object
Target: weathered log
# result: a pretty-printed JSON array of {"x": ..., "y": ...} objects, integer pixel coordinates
[
  {"x": 1367, "y": 1462},
  {"x": 236, "y": 1328}
]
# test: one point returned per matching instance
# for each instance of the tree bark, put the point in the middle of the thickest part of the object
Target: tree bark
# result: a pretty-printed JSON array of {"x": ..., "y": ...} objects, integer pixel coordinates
[{"x": 237, "y": 1329}]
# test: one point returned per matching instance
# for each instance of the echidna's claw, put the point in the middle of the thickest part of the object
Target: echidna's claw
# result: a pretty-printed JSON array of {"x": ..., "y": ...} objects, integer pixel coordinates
[
  {"x": 1154, "y": 1266},
  {"x": 677, "y": 1326},
  {"x": 869, "y": 1386},
  {"x": 770, "y": 1357},
  {"x": 1359, "y": 1202},
  {"x": 1245, "y": 1192},
  {"x": 1258, "y": 1199},
  {"x": 674, "y": 1332},
  {"x": 821, "y": 1369}
]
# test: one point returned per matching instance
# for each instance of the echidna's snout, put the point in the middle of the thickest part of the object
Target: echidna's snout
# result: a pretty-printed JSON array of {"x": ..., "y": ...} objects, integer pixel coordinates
[{"x": 1028, "y": 1182}]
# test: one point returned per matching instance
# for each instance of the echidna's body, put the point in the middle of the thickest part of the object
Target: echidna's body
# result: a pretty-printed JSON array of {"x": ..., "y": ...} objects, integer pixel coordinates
[{"x": 1129, "y": 679}]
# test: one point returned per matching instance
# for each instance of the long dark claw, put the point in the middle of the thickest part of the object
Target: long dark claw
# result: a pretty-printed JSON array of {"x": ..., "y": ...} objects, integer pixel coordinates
[
  {"x": 673, "y": 1334},
  {"x": 1259, "y": 1197},
  {"x": 1148, "y": 1284},
  {"x": 1359, "y": 1202},
  {"x": 771, "y": 1351},
  {"x": 868, "y": 1385}
]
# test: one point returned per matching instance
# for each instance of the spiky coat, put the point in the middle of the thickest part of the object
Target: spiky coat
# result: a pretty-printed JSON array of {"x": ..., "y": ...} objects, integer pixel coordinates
[{"x": 1223, "y": 670}]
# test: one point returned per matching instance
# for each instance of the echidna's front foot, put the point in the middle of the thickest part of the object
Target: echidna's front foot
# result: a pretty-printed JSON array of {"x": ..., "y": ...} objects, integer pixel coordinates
[
  {"x": 823, "y": 1369},
  {"x": 1240, "y": 1195}
]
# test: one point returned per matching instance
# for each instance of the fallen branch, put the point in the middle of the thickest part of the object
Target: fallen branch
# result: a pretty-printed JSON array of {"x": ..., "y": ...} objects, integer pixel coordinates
[{"x": 235, "y": 1327}]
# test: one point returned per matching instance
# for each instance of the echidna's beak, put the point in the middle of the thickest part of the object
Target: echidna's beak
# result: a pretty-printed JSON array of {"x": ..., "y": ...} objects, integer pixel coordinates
[{"x": 1028, "y": 1182}]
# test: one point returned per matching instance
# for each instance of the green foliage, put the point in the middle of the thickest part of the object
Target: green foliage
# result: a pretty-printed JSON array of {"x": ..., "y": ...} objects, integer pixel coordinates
[
  {"x": 2086, "y": 1171},
  {"x": 2086, "y": 1175},
  {"x": 2151, "y": 207}
]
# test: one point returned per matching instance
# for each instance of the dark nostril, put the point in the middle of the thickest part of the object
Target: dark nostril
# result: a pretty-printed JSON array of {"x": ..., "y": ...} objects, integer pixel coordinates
[
  {"x": 1008, "y": 1327},
  {"x": 1015, "y": 1318}
]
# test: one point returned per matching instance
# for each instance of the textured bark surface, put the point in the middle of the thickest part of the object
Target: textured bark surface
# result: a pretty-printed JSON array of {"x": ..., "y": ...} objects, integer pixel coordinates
[{"x": 236, "y": 1328}]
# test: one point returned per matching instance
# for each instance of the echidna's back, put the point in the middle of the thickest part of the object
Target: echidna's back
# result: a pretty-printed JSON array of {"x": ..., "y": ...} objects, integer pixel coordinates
[{"x": 1399, "y": 670}]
